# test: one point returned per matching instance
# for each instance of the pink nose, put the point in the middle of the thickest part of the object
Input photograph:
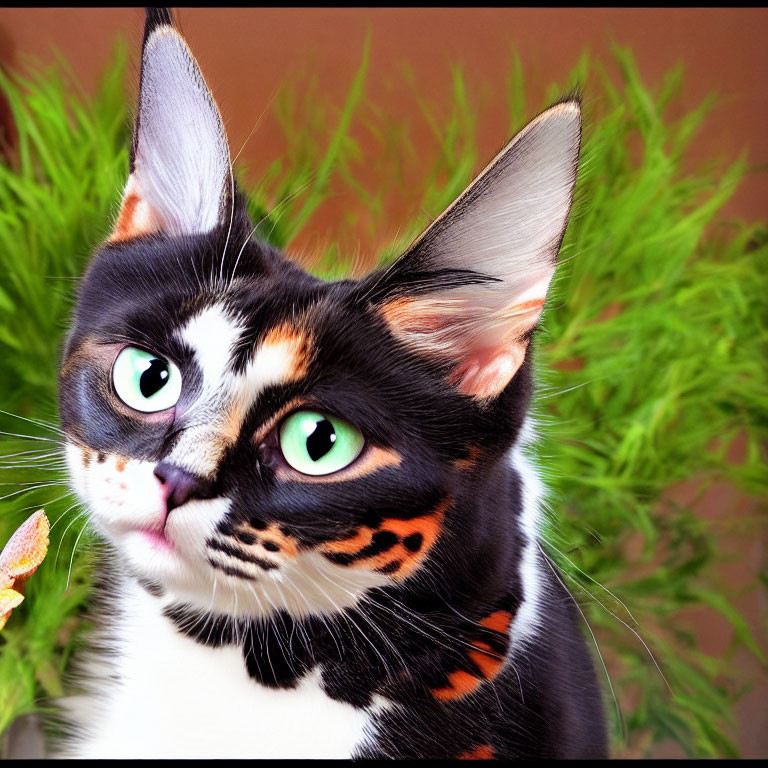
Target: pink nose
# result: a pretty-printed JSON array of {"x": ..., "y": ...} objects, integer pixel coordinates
[{"x": 179, "y": 486}]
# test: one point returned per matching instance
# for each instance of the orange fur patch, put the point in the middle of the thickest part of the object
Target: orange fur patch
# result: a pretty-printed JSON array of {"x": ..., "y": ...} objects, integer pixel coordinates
[
  {"x": 474, "y": 453},
  {"x": 375, "y": 458},
  {"x": 400, "y": 560},
  {"x": 351, "y": 545},
  {"x": 124, "y": 224},
  {"x": 487, "y": 348},
  {"x": 287, "y": 545},
  {"x": 296, "y": 343},
  {"x": 296, "y": 347},
  {"x": 488, "y": 661},
  {"x": 460, "y": 683},
  {"x": 136, "y": 218},
  {"x": 406, "y": 316},
  {"x": 481, "y": 752},
  {"x": 498, "y": 621}
]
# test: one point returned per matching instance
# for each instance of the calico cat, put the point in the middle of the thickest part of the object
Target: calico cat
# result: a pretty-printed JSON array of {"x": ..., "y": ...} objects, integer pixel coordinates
[{"x": 320, "y": 518}]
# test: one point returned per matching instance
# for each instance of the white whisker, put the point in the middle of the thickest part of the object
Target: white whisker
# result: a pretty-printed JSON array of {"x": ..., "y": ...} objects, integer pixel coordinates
[
  {"x": 594, "y": 639},
  {"x": 618, "y": 618}
]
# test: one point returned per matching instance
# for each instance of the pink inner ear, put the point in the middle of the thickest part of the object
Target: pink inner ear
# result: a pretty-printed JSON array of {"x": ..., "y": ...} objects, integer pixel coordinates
[
  {"x": 486, "y": 340},
  {"x": 487, "y": 371},
  {"x": 487, "y": 347}
]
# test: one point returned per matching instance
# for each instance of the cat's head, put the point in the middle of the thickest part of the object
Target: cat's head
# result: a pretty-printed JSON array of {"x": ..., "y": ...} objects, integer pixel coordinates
[{"x": 249, "y": 437}]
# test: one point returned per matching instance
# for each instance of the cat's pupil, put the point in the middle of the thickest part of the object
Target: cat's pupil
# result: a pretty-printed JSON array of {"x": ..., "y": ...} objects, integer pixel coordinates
[
  {"x": 321, "y": 440},
  {"x": 154, "y": 377}
]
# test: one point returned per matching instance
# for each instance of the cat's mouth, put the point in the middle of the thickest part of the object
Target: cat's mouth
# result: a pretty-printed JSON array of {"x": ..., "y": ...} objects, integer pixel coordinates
[
  {"x": 153, "y": 532},
  {"x": 151, "y": 540},
  {"x": 157, "y": 539}
]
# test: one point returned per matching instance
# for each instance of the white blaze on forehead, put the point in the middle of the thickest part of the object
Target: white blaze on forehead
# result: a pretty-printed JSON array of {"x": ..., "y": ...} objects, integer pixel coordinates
[
  {"x": 212, "y": 335},
  {"x": 214, "y": 419}
]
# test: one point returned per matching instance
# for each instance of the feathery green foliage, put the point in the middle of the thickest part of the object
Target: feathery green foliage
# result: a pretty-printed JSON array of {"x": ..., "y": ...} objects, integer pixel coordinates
[{"x": 652, "y": 358}]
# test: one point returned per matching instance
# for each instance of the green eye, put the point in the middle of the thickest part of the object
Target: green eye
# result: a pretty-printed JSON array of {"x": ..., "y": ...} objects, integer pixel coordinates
[
  {"x": 144, "y": 381},
  {"x": 316, "y": 444}
]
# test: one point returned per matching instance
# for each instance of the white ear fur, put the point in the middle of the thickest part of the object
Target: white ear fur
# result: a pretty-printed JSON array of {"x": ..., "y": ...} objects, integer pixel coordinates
[
  {"x": 181, "y": 165},
  {"x": 507, "y": 225}
]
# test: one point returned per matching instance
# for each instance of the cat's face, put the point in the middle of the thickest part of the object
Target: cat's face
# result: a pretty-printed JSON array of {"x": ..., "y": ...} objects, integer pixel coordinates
[
  {"x": 251, "y": 438},
  {"x": 173, "y": 385}
]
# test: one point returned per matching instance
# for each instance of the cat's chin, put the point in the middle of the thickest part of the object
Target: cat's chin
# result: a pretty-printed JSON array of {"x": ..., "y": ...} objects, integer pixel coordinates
[
  {"x": 151, "y": 555},
  {"x": 157, "y": 541},
  {"x": 147, "y": 546}
]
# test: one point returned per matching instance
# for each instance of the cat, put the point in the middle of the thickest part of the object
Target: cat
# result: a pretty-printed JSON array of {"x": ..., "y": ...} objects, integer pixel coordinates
[{"x": 320, "y": 518}]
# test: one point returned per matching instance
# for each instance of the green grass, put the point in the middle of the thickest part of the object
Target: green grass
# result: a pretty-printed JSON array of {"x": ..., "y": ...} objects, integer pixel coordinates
[{"x": 652, "y": 355}]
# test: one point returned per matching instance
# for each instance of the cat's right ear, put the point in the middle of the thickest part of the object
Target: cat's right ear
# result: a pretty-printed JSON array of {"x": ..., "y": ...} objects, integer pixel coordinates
[
  {"x": 180, "y": 174},
  {"x": 470, "y": 290}
]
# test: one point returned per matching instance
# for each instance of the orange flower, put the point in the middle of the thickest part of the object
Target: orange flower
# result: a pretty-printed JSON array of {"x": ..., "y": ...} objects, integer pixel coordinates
[{"x": 20, "y": 558}]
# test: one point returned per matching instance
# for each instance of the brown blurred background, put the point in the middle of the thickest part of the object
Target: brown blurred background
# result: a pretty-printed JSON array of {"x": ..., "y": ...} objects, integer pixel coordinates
[{"x": 247, "y": 54}]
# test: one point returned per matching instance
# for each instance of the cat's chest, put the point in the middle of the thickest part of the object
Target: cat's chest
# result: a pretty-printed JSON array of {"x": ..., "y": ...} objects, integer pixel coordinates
[{"x": 177, "y": 698}]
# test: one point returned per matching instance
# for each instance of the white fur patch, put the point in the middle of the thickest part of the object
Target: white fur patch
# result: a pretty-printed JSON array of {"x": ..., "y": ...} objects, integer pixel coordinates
[
  {"x": 307, "y": 584},
  {"x": 175, "y": 698},
  {"x": 127, "y": 505},
  {"x": 130, "y": 497},
  {"x": 212, "y": 333},
  {"x": 272, "y": 363},
  {"x": 527, "y": 619}
]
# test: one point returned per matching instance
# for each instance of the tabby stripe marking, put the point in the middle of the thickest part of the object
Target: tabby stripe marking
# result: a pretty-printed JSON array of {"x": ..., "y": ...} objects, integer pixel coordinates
[
  {"x": 395, "y": 547},
  {"x": 229, "y": 570},
  {"x": 240, "y": 555}
]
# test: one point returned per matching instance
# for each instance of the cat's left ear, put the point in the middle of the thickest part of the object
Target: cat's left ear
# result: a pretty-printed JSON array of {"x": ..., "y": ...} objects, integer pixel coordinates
[
  {"x": 180, "y": 178},
  {"x": 471, "y": 288}
]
